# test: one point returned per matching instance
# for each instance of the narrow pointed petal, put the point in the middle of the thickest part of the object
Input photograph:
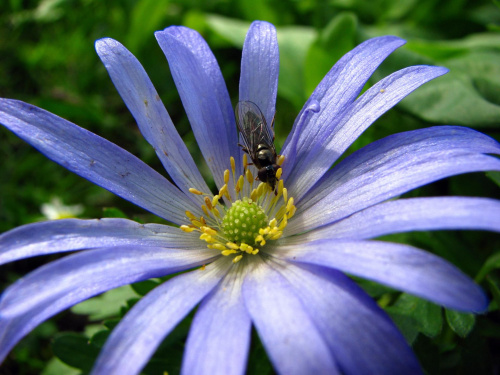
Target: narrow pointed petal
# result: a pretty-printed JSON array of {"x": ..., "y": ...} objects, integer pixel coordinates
[
  {"x": 414, "y": 214},
  {"x": 63, "y": 283},
  {"x": 340, "y": 87},
  {"x": 95, "y": 159},
  {"x": 402, "y": 267},
  {"x": 204, "y": 95},
  {"x": 141, "y": 98},
  {"x": 360, "y": 335},
  {"x": 260, "y": 68},
  {"x": 140, "y": 332},
  {"x": 219, "y": 337},
  {"x": 329, "y": 145},
  {"x": 390, "y": 167},
  {"x": 292, "y": 341},
  {"x": 74, "y": 234}
]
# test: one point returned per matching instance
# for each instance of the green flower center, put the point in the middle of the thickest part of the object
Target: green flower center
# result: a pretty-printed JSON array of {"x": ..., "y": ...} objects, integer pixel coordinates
[{"x": 243, "y": 220}]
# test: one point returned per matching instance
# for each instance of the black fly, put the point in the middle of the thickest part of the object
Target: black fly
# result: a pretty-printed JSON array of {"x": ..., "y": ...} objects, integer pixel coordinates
[{"x": 258, "y": 141}]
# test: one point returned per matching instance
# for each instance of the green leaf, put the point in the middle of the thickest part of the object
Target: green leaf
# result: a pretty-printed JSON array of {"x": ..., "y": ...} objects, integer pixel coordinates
[
  {"x": 415, "y": 315},
  {"x": 460, "y": 323},
  {"x": 113, "y": 212},
  {"x": 495, "y": 176},
  {"x": 491, "y": 263},
  {"x": 144, "y": 287},
  {"x": 57, "y": 367},
  {"x": 335, "y": 40},
  {"x": 147, "y": 17},
  {"x": 106, "y": 305},
  {"x": 75, "y": 350}
]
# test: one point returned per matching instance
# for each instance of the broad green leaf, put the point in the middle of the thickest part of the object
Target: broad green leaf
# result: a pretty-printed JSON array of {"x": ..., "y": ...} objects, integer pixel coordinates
[
  {"x": 106, "y": 305},
  {"x": 335, "y": 40},
  {"x": 491, "y": 263},
  {"x": 75, "y": 350},
  {"x": 144, "y": 287},
  {"x": 147, "y": 17},
  {"x": 412, "y": 314},
  {"x": 113, "y": 212},
  {"x": 57, "y": 367},
  {"x": 460, "y": 323}
]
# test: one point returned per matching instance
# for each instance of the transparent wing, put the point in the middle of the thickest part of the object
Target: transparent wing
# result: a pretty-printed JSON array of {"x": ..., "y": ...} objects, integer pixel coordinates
[{"x": 253, "y": 127}]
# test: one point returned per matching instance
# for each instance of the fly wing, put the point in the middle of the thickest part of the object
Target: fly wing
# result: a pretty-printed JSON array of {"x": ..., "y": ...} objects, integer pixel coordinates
[{"x": 253, "y": 127}]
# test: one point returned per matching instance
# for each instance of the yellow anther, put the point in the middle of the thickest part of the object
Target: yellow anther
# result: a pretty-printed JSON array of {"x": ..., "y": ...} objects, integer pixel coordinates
[
  {"x": 239, "y": 184},
  {"x": 283, "y": 223},
  {"x": 226, "y": 176},
  {"x": 237, "y": 258},
  {"x": 281, "y": 159},
  {"x": 278, "y": 173},
  {"x": 228, "y": 252},
  {"x": 202, "y": 219},
  {"x": 209, "y": 231},
  {"x": 207, "y": 238},
  {"x": 249, "y": 176},
  {"x": 291, "y": 212},
  {"x": 187, "y": 229},
  {"x": 264, "y": 231},
  {"x": 244, "y": 246},
  {"x": 232, "y": 245},
  {"x": 217, "y": 246},
  {"x": 254, "y": 195},
  {"x": 285, "y": 194},
  {"x": 197, "y": 223},
  {"x": 204, "y": 208},
  {"x": 245, "y": 161},
  {"x": 190, "y": 215},
  {"x": 273, "y": 223},
  {"x": 255, "y": 252},
  {"x": 233, "y": 164},
  {"x": 259, "y": 238},
  {"x": 195, "y": 191},
  {"x": 223, "y": 190},
  {"x": 289, "y": 204},
  {"x": 275, "y": 236},
  {"x": 215, "y": 200},
  {"x": 208, "y": 202}
]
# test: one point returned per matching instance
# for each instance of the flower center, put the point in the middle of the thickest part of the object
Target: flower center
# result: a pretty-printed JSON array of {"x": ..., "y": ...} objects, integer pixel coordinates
[
  {"x": 242, "y": 225},
  {"x": 243, "y": 221}
]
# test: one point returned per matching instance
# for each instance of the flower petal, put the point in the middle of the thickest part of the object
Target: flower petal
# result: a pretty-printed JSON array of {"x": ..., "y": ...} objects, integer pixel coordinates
[
  {"x": 293, "y": 343},
  {"x": 399, "y": 266},
  {"x": 141, "y": 98},
  {"x": 340, "y": 87},
  {"x": 392, "y": 166},
  {"x": 95, "y": 159},
  {"x": 74, "y": 234},
  {"x": 414, "y": 214},
  {"x": 336, "y": 137},
  {"x": 63, "y": 283},
  {"x": 361, "y": 336},
  {"x": 143, "y": 328},
  {"x": 219, "y": 337},
  {"x": 260, "y": 68},
  {"x": 204, "y": 96}
]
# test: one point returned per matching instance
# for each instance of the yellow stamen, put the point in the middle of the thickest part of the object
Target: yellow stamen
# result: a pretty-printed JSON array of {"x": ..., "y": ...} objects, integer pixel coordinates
[
  {"x": 237, "y": 258},
  {"x": 281, "y": 159},
  {"x": 187, "y": 229},
  {"x": 195, "y": 191}
]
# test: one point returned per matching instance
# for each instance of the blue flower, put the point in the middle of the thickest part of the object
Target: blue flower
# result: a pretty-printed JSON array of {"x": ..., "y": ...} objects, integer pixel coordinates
[{"x": 288, "y": 282}]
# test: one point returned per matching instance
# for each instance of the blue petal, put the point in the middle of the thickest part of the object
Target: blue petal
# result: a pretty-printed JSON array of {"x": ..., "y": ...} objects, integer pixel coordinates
[
  {"x": 399, "y": 266},
  {"x": 73, "y": 234},
  {"x": 292, "y": 341},
  {"x": 334, "y": 94},
  {"x": 204, "y": 96},
  {"x": 414, "y": 214},
  {"x": 392, "y": 166},
  {"x": 219, "y": 337},
  {"x": 96, "y": 159},
  {"x": 63, "y": 283},
  {"x": 141, "y": 98},
  {"x": 361, "y": 336},
  {"x": 134, "y": 340},
  {"x": 260, "y": 68},
  {"x": 338, "y": 133}
]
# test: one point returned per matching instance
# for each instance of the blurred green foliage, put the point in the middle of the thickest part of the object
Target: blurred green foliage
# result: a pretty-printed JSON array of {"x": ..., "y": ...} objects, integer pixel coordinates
[{"x": 47, "y": 58}]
